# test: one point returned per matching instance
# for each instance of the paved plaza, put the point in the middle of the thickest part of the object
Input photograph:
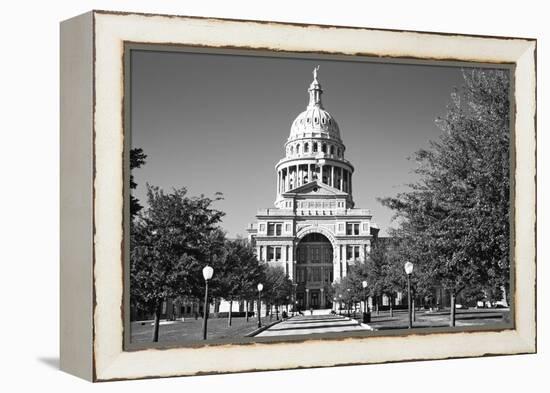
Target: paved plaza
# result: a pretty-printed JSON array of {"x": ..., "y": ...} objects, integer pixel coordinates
[{"x": 310, "y": 324}]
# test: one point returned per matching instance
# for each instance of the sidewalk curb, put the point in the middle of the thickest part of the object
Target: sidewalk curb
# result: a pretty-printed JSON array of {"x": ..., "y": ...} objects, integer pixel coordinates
[{"x": 264, "y": 327}]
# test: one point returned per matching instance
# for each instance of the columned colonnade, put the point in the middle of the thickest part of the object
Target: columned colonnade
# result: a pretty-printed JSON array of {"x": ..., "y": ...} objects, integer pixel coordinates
[{"x": 296, "y": 175}]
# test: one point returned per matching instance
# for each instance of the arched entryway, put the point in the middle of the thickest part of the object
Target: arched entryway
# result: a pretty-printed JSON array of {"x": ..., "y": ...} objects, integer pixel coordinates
[{"x": 314, "y": 271}]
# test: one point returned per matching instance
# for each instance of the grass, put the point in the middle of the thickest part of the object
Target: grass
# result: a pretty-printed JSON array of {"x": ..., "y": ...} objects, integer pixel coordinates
[
  {"x": 467, "y": 317},
  {"x": 190, "y": 330}
]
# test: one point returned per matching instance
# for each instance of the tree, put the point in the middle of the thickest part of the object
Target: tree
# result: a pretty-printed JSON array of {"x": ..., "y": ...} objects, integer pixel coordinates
[
  {"x": 169, "y": 243},
  {"x": 238, "y": 271},
  {"x": 137, "y": 159},
  {"x": 277, "y": 286},
  {"x": 457, "y": 215}
]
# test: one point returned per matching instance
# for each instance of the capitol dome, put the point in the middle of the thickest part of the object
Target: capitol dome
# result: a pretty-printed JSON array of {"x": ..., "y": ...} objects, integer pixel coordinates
[{"x": 315, "y": 119}]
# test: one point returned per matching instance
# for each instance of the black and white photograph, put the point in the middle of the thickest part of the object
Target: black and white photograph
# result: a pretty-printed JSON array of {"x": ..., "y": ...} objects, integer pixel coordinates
[{"x": 287, "y": 197}]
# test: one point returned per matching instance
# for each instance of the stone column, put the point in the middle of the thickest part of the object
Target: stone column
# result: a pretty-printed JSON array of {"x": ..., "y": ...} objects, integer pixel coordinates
[
  {"x": 341, "y": 187},
  {"x": 321, "y": 173},
  {"x": 349, "y": 182},
  {"x": 290, "y": 259},
  {"x": 309, "y": 178},
  {"x": 344, "y": 261},
  {"x": 336, "y": 264},
  {"x": 332, "y": 176},
  {"x": 278, "y": 183},
  {"x": 307, "y": 299}
]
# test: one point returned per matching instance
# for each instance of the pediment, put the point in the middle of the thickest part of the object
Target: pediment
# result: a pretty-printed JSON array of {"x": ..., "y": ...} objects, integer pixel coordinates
[{"x": 315, "y": 188}]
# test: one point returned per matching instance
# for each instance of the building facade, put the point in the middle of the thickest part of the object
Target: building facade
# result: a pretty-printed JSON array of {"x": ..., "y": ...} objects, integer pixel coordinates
[{"x": 314, "y": 231}]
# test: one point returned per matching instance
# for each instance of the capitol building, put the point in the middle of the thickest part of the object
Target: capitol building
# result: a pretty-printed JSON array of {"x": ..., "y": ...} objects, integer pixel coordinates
[{"x": 314, "y": 231}]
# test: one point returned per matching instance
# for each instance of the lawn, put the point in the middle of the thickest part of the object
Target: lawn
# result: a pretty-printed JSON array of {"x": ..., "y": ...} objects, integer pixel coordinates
[
  {"x": 190, "y": 330},
  {"x": 464, "y": 317}
]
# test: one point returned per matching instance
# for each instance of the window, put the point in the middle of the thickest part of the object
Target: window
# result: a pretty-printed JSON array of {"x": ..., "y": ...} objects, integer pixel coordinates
[
  {"x": 324, "y": 148},
  {"x": 273, "y": 253},
  {"x": 331, "y": 149},
  {"x": 274, "y": 229},
  {"x": 315, "y": 147},
  {"x": 352, "y": 228},
  {"x": 352, "y": 253},
  {"x": 316, "y": 274},
  {"x": 338, "y": 152},
  {"x": 291, "y": 149},
  {"x": 287, "y": 228},
  {"x": 297, "y": 149},
  {"x": 306, "y": 147}
]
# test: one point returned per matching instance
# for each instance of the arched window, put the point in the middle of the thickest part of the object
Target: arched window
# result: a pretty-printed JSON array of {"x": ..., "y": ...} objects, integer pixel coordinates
[
  {"x": 306, "y": 147},
  {"x": 316, "y": 120},
  {"x": 315, "y": 147},
  {"x": 338, "y": 152},
  {"x": 324, "y": 148},
  {"x": 331, "y": 149},
  {"x": 297, "y": 149},
  {"x": 291, "y": 149}
]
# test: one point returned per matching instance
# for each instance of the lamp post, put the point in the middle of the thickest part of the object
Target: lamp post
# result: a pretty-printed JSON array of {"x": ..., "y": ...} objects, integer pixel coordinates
[
  {"x": 408, "y": 270},
  {"x": 340, "y": 306},
  {"x": 207, "y": 273},
  {"x": 260, "y": 287},
  {"x": 366, "y": 311}
]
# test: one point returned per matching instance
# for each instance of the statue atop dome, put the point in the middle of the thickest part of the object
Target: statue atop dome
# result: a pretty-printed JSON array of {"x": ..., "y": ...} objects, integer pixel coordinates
[{"x": 315, "y": 71}]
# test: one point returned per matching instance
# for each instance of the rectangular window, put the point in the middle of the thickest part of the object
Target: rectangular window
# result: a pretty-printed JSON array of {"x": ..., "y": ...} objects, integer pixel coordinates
[
  {"x": 352, "y": 228},
  {"x": 288, "y": 228},
  {"x": 316, "y": 274},
  {"x": 273, "y": 253},
  {"x": 352, "y": 253},
  {"x": 274, "y": 229}
]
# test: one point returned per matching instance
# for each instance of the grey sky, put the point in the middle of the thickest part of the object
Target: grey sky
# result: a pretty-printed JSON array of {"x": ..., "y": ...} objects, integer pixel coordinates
[{"x": 218, "y": 123}]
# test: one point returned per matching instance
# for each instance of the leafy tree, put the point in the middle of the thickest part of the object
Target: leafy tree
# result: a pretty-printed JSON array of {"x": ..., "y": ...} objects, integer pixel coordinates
[
  {"x": 169, "y": 243},
  {"x": 457, "y": 215},
  {"x": 277, "y": 286},
  {"x": 238, "y": 271},
  {"x": 137, "y": 159}
]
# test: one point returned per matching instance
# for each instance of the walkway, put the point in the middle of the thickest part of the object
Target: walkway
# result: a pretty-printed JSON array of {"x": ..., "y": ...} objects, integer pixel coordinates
[{"x": 310, "y": 324}]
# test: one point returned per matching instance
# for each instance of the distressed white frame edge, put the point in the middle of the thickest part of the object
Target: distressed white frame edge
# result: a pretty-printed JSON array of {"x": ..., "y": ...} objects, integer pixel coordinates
[{"x": 111, "y": 362}]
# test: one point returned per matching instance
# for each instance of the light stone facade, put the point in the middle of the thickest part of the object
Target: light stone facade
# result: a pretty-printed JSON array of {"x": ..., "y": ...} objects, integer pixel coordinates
[{"x": 314, "y": 232}]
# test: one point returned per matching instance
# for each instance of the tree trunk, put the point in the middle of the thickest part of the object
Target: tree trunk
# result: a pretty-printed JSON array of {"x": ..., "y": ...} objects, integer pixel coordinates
[
  {"x": 453, "y": 310},
  {"x": 230, "y": 315},
  {"x": 246, "y": 310},
  {"x": 217, "y": 305},
  {"x": 158, "y": 309},
  {"x": 413, "y": 309},
  {"x": 377, "y": 297},
  {"x": 391, "y": 305}
]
